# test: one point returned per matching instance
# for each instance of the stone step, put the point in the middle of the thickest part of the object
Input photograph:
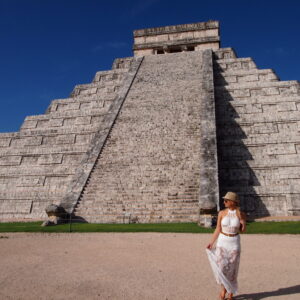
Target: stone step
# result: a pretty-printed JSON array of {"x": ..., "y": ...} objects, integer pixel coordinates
[
  {"x": 120, "y": 209},
  {"x": 78, "y": 129},
  {"x": 111, "y": 219},
  {"x": 37, "y": 170},
  {"x": 234, "y": 110},
  {"x": 266, "y": 116},
  {"x": 262, "y": 84},
  {"x": 110, "y": 75},
  {"x": 138, "y": 211},
  {"x": 4, "y": 135},
  {"x": 241, "y": 76},
  {"x": 263, "y": 139},
  {"x": 245, "y": 73},
  {"x": 270, "y": 191},
  {"x": 257, "y": 100},
  {"x": 95, "y": 88},
  {"x": 60, "y": 106},
  {"x": 21, "y": 148},
  {"x": 68, "y": 114},
  {"x": 224, "y": 53},
  {"x": 274, "y": 163},
  {"x": 79, "y": 102},
  {"x": 97, "y": 201},
  {"x": 31, "y": 193},
  {"x": 102, "y": 97},
  {"x": 122, "y": 63},
  {"x": 223, "y": 65},
  {"x": 72, "y": 120}
]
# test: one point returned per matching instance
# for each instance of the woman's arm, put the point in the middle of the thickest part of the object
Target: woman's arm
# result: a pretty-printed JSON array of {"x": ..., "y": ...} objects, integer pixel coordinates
[
  {"x": 216, "y": 232},
  {"x": 243, "y": 222}
]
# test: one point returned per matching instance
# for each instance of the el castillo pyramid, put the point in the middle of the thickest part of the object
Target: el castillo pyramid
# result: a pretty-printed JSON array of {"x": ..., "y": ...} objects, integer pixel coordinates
[{"x": 160, "y": 138}]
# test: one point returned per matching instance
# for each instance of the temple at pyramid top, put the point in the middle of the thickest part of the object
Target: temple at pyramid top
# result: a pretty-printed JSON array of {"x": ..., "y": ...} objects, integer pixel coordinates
[{"x": 177, "y": 38}]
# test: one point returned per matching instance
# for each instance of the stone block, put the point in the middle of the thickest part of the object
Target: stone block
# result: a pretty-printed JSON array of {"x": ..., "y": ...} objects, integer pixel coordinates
[
  {"x": 280, "y": 149},
  {"x": 253, "y": 108},
  {"x": 59, "y": 139},
  {"x": 27, "y": 141},
  {"x": 248, "y": 78},
  {"x": 286, "y": 91},
  {"x": 88, "y": 91},
  {"x": 55, "y": 182},
  {"x": 84, "y": 138},
  {"x": 83, "y": 120},
  {"x": 50, "y": 159},
  {"x": 286, "y": 106},
  {"x": 68, "y": 106},
  {"x": 10, "y": 160},
  {"x": 262, "y": 128},
  {"x": 271, "y": 76},
  {"x": 31, "y": 181},
  {"x": 43, "y": 123},
  {"x": 29, "y": 160},
  {"x": 15, "y": 206},
  {"x": 72, "y": 159},
  {"x": 56, "y": 122},
  {"x": 241, "y": 93},
  {"x": 287, "y": 127},
  {"x": 29, "y": 124},
  {"x": 5, "y": 142},
  {"x": 97, "y": 120},
  {"x": 270, "y": 91}
]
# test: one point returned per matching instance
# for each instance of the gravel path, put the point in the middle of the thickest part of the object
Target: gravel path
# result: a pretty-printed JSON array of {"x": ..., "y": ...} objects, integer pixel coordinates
[{"x": 156, "y": 266}]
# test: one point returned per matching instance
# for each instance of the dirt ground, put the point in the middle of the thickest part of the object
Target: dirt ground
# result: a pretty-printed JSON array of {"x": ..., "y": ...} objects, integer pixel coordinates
[{"x": 141, "y": 266}]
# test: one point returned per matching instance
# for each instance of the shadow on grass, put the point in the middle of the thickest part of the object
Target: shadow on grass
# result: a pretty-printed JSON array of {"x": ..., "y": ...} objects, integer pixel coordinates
[{"x": 280, "y": 292}]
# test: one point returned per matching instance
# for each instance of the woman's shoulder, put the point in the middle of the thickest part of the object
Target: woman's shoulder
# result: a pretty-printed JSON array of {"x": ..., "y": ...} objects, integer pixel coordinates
[{"x": 222, "y": 212}]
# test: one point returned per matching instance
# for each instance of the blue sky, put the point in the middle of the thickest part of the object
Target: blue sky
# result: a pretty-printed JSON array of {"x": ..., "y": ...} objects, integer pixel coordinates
[{"x": 49, "y": 46}]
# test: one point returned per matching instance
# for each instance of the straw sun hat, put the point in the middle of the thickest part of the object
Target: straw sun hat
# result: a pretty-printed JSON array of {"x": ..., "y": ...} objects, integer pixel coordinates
[{"x": 232, "y": 197}]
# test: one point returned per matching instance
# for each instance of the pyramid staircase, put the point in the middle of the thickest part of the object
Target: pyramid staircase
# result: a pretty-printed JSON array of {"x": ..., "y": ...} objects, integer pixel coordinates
[{"x": 38, "y": 163}]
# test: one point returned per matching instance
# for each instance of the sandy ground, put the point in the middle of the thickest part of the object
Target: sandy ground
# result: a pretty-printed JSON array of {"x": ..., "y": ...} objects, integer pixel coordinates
[{"x": 139, "y": 266}]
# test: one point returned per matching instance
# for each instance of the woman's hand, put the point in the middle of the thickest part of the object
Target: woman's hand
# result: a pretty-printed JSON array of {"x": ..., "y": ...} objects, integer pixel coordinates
[
  {"x": 243, "y": 222},
  {"x": 209, "y": 246},
  {"x": 243, "y": 227}
]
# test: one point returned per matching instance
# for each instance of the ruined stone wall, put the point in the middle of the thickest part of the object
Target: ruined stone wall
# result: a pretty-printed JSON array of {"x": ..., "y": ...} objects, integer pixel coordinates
[
  {"x": 38, "y": 163},
  {"x": 149, "y": 169},
  {"x": 258, "y": 135}
]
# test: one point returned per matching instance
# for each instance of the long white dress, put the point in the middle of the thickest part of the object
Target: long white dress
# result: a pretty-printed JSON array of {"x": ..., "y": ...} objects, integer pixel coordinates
[{"x": 225, "y": 257}]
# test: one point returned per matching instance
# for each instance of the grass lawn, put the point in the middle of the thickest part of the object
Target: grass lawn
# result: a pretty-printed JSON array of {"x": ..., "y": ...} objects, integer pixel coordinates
[{"x": 252, "y": 227}]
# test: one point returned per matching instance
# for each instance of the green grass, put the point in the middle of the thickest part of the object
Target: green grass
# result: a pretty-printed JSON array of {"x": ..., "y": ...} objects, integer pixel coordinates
[
  {"x": 252, "y": 227},
  {"x": 291, "y": 227}
]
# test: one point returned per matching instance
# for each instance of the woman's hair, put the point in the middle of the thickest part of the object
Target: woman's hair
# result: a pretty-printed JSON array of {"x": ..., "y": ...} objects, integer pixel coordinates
[{"x": 238, "y": 211}]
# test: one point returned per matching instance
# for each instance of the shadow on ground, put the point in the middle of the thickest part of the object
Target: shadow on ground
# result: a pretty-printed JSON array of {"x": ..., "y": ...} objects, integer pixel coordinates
[{"x": 280, "y": 292}]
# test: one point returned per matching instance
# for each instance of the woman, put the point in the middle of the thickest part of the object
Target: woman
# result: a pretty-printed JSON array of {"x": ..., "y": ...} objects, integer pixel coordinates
[{"x": 225, "y": 258}]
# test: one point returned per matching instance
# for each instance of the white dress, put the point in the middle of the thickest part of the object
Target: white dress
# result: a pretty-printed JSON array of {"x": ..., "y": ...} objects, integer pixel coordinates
[{"x": 225, "y": 258}]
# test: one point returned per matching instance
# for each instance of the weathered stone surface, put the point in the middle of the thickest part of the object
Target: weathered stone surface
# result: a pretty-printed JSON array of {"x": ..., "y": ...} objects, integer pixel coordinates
[
  {"x": 257, "y": 136},
  {"x": 38, "y": 163},
  {"x": 150, "y": 167},
  {"x": 170, "y": 39},
  {"x": 138, "y": 143}
]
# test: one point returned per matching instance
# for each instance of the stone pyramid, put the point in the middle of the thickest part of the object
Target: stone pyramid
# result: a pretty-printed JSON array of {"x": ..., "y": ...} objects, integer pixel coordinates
[{"x": 160, "y": 138}]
